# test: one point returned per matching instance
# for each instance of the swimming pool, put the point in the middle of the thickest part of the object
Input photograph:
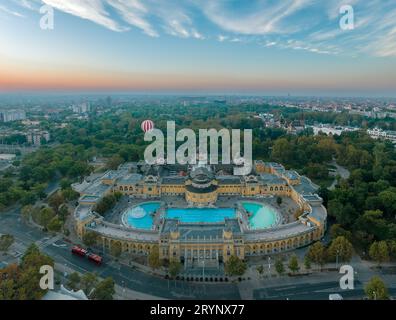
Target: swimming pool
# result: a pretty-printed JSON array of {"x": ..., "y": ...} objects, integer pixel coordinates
[
  {"x": 196, "y": 215},
  {"x": 141, "y": 217},
  {"x": 262, "y": 216}
]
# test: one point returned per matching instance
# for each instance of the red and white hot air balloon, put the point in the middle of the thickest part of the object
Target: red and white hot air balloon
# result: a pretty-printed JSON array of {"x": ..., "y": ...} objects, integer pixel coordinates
[{"x": 147, "y": 125}]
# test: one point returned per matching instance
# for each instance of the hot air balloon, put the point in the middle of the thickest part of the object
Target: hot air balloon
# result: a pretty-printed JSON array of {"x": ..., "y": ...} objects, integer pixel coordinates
[{"x": 147, "y": 125}]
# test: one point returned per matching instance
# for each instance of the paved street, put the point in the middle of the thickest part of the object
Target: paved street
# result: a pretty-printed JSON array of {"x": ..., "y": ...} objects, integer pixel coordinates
[
  {"x": 124, "y": 276},
  {"x": 135, "y": 284}
]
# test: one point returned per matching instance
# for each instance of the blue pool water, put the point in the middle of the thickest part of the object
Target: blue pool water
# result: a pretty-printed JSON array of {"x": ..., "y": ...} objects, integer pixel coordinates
[
  {"x": 145, "y": 222},
  {"x": 195, "y": 215},
  {"x": 141, "y": 216},
  {"x": 262, "y": 216}
]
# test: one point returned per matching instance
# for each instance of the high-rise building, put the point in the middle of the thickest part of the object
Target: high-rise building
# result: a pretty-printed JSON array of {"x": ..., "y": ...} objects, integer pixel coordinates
[{"x": 12, "y": 115}]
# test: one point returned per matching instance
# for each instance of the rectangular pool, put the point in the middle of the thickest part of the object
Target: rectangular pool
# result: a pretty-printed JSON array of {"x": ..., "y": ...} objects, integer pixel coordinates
[{"x": 204, "y": 215}]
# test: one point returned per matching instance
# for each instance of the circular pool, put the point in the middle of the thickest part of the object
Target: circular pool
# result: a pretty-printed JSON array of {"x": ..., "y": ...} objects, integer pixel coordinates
[
  {"x": 261, "y": 216},
  {"x": 140, "y": 217}
]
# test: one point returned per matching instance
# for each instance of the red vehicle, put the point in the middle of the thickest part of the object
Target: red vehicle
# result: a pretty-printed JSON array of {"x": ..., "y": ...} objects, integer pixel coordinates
[
  {"x": 79, "y": 251},
  {"x": 95, "y": 258}
]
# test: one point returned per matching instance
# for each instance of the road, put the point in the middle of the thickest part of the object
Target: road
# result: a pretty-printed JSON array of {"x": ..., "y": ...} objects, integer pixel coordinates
[
  {"x": 124, "y": 276},
  {"x": 316, "y": 286},
  {"x": 341, "y": 171}
]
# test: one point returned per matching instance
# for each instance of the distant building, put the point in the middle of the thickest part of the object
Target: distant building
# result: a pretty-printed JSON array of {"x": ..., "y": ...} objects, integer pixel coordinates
[
  {"x": 12, "y": 115},
  {"x": 331, "y": 130},
  {"x": 84, "y": 107},
  {"x": 377, "y": 133},
  {"x": 35, "y": 137}
]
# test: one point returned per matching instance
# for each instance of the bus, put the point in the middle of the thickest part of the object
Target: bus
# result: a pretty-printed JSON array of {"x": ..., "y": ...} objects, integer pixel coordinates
[
  {"x": 79, "y": 251},
  {"x": 95, "y": 258}
]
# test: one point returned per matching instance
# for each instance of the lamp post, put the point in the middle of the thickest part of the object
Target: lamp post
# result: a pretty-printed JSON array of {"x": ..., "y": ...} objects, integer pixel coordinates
[
  {"x": 269, "y": 265},
  {"x": 338, "y": 252}
]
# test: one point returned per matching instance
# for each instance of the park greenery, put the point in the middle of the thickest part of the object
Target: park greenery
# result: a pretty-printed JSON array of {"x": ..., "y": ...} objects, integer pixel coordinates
[
  {"x": 92, "y": 286},
  {"x": 21, "y": 281},
  {"x": 362, "y": 208}
]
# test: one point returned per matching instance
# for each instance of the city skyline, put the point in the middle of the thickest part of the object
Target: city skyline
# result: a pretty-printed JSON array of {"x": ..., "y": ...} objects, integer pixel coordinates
[{"x": 221, "y": 47}]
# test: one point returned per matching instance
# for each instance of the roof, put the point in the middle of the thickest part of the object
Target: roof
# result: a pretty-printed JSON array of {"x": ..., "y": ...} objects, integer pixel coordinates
[
  {"x": 228, "y": 180},
  {"x": 277, "y": 233},
  {"x": 269, "y": 178},
  {"x": 291, "y": 174},
  {"x": 131, "y": 178},
  {"x": 306, "y": 186},
  {"x": 173, "y": 180}
]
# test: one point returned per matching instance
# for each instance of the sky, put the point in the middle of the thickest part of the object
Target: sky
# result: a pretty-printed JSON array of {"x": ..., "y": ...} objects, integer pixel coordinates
[{"x": 199, "y": 46}]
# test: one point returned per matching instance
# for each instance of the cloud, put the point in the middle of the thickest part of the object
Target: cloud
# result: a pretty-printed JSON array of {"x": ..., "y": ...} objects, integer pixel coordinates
[
  {"x": 92, "y": 10},
  {"x": 263, "y": 17},
  {"x": 269, "y": 23},
  {"x": 11, "y": 12},
  {"x": 133, "y": 12}
]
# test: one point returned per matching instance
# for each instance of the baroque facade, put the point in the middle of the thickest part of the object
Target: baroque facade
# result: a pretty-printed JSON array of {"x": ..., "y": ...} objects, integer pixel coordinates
[{"x": 202, "y": 186}]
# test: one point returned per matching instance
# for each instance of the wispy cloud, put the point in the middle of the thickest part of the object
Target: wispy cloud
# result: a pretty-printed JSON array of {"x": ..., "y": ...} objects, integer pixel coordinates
[
  {"x": 314, "y": 24},
  {"x": 11, "y": 12},
  {"x": 133, "y": 12},
  {"x": 92, "y": 10}
]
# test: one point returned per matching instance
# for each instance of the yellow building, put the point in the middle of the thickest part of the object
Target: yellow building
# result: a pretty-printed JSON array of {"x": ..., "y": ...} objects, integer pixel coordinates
[{"x": 212, "y": 243}]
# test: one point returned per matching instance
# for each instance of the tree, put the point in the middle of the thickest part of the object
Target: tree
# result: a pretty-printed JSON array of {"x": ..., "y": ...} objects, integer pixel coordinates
[
  {"x": 55, "y": 225},
  {"x": 90, "y": 238},
  {"x": 153, "y": 258},
  {"x": 104, "y": 290},
  {"x": 88, "y": 282},
  {"x": 279, "y": 267},
  {"x": 260, "y": 269},
  {"x": 74, "y": 281},
  {"x": 174, "y": 268},
  {"x": 379, "y": 252},
  {"x": 63, "y": 212},
  {"x": 336, "y": 230},
  {"x": 56, "y": 200},
  {"x": 342, "y": 248},
  {"x": 307, "y": 262},
  {"x": 317, "y": 253},
  {"x": 293, "y": 264},
  {"x": 114, "y": 162},
  {"x": 26, "y": 212},
  {"x": 6, "y": 240},
  {"x": 235, "y": 266},
  {"x": 22, "y": 282},
  {"x": 45, "y": 216},
  {"x": 375, "y": 289},
  {"x": 116, "y": 249}
]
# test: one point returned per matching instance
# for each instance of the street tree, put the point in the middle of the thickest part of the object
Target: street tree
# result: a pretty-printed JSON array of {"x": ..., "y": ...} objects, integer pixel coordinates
[
  {"x": 105, "y": 290},
  {"x": 375, "y": 289},
  {"x": 88, "y": 282},
  {"x": 90, "y": 238},
  {"x": 174, "y": 268},
  {"x": 116, "y": 249},
  {"x": 279, "y": 267},
  {"x": 340, "y": 247},
  {"x": 235, "y": 266},
  {"x": 307, "y": 262},
  {"x": 74, "y": 280},
  {"x": 317, "y": 254},
  {"x": 293, "y": 264},
  {"x": 153, "y": 258},
  {"x": 6, "y": 240},
  {"x": 379, "y": 252}
]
